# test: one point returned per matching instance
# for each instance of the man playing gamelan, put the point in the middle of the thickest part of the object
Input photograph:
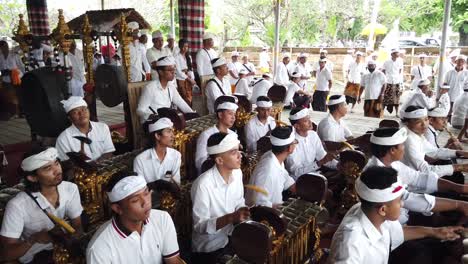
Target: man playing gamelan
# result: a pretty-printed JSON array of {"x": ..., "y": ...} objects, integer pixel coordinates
[
  {"x": 136, "y": 233},
  {"x": 242, "y": 85},
  {"x": 393, "y": 70},
  {"x": 373, "y": 85},
  {"x": 260, "y": 125},
  {"x": 218, "y": 199},
  {"x": 99, "y": 145},
  {"x": 25, "y": 228},
  {"x": 355, "y": 71},
  {"x": 333, "y": 127},
  {"x": 438, "y": 122},
  {"x": 218, "y": 85},
  {"x": 161, "y": 92},
  {"x": 260, "y": 87},
  {"x": 161, "y": 161}
]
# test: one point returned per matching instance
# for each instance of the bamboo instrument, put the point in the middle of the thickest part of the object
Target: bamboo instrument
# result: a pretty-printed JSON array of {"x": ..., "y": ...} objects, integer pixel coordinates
[
  {"x": 256, "y": 189},
  {"x": 61, "y": 223}
]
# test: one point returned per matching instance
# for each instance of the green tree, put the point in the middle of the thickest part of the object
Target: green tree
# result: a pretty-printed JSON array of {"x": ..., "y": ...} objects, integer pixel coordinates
[{"x": 9, "y": 11}]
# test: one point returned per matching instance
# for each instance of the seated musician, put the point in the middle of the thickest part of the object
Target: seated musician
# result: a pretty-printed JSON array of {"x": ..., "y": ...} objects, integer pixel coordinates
[
  {"x": 418, "y": 149},
  {"x": 295, "y": 91},
  {"x": 92, "y": 139},
  {"x": 218, "y": 85},
  {"x": 270, "y": 174},
  {"x": 218, "y": 199},
  {"x": 260, "y": 125},
  {"x": 242, "y": 85},
  {"x": 25, "y": 229},
  {"x": 161, "y": 161},
  {"x": 423, "y": 96},
  {"x": 388, "y": 148},
  {"x": 261, "y": 86},
  {"x": 162, "y": 92},
  {"x": 226, "y": 107},
  {"x": 333, "y": 128},
  {"x": 136, "y": 233},
  {"x": 309, "y": 155},
  {"x": 370, "y": 230},
  {"x": 438, "y": 122}
]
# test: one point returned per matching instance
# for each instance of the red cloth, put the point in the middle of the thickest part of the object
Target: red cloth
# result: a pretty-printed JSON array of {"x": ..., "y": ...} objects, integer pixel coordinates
[{"x": 105, "y": 49}]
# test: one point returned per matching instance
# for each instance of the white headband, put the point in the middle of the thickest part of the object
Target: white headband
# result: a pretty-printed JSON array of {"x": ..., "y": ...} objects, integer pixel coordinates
[
  {"x": 438, "y": 112},
  {"x": 420, "y": 113},
  {"x": 340, "y": 100},
  {"x": 167, "y": 61},
  {"x": 377, "y": 195},
  {"x": 125, "y": 187},
  {"x": 133, "y": 25},
  {"x": 227, "y": 106},
  {"x": 296, "y": 75},
  {"x": 299, "y": 115},
  {"x": 229, "y": 142},
  {"x": 160, "y": 124},
  {"x": 219, "y": 62},
  {"x": 73, "y": 102},
  {"x": 398, "y": 138},
  {"x": 156, "y": 34},
  {"x": 34, "y": 162},
  {"x": 265, "y": 104},
  {"x": 282, "y": 142},
  {"x": 424, "y": 82}
]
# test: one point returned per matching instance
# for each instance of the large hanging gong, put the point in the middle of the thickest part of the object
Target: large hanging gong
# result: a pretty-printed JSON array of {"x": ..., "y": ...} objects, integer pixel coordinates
[
  {"x": 111, "y": 84},
  {"x": 41, "y": 92}
]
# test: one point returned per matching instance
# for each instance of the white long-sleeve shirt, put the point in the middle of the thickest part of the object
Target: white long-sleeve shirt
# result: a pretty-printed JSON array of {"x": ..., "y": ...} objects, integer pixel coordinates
[
  {"x": 282, "y": 74},
  {"x": 234, "y": 67},
  {"x": 255, "y": 129},
  {"x": 260, "y": 88},
  {"x": 305, "y": 71},
  {"x": 308, "y": 152},
  {"x": 201, "y": 153},
  {"x": 417, "y": 147},
  {"x": 155, "y": 96},
  {"x": 181, "y": 67},
  {"x": 242, "y": 87},
  {"x": 215, "y": 89},
  {"x": 212, "y": 198},
  {"x": 356, "y": 70},
  {"x": 203, "y": 59},
  {"x": 139, "y": 65},
  {"x": 330, "y": 130},
  {"x": 393, "y": 71},
  {"x": 292, "y": 89}
]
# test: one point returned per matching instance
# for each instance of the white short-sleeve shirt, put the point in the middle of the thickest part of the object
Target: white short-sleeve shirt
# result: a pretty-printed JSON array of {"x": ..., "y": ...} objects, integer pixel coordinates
[
  {"x": 214, "y": 89},
  {"x": 260, "y": 88},
  {"x": 255, "y": 129},
  {"x": 357, "y": 240},
  {"x": 372, "y": 83},
  {"x": 242, "y": 87},
  {"x": 356, "y": 70},
  {"x": 201, "y": 153},
  {"x": 420, "y": 73},
  {"x": 148, "y": 165},
  {"x": 235, "y": 68},
  {"x": 292, "y": 89},
  {"x": 455, "y": 79},
  {"x": 203, "y": 59},
  {"x": 305, "y": 70},
  {"x": 100, "y": 136},
  {"x": 330, "y": 130},
  {"x": 112, "y": 244},
  {"x": 271, "y": 176},
  {"x": 393, "y": 71},
  {"x": 323, "y": 76},
  {"x": 282, "y": 74},
  {"x": 24, "y": 218},
  {"x": 212, "y": 198},
  {"x": 460, "y": 110}
]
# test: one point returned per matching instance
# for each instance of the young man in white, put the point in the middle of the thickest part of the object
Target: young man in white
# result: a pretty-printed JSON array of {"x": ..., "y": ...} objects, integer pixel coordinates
[
  {"x": 456, "y": 78},
  {"x": 373, "y": 85},
  {"x": 393, "y": 69},
  {"x": 270, "y": 174},
  {"x": 99, "y": 147},
  {"x": 161, "y": 160},
  {"x": 264, "y": 60},
  {"x": 261, "y": 86},
  {"x": 247, "y": 65},
  {"x": 444, "y": 99},
  {"x": 422, "y": 96},
  {"x": 460, "y": 113},
  {"x": 419, "y": 150},
  {"x": 157, "y": 51},
  {"x": 25, "y": 225},
  {"x": 282, "y": 73},
  {"x": 333, "y": 128},
  {"x": 218, "y": 199},
  {"x": 323, "y": 56},
  {"x": 437, "y": 123},
  {"x": 226, "y": 107},
  {"x": 218, "y": 85},
  {"x": 136, "y": 233},
  {"x": 370, "y": 230},
  {"x": 139, "y": 66},
  {"x": 420, "y": 72},
  {"x": 234, "y": 67},
  {"x": 355, "y": 71},
  {"x": 323, "y": 86},
  {"x": 309, "y": 155},
  {"x": 171, "y": 48},
  {"x": 304, "y": 69},
  {"x": 294, "y": 90},
  {"x": 242, "y": 86},
  {"x": 204, "y": 67},
  {"x": 162, "y": 92},
  {"x": 347, "y": 60},
  {"x": 259, "y": 126}
]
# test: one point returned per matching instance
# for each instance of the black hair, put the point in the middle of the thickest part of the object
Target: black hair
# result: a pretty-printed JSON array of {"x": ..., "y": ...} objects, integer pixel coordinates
[
  {"x": 213, "y": 140},
  {"x": 377, "y": 177},
  {"x": 265, "y": 75},
  {"x": 293, "y": 112},
  {"x": 182, "y": 42},
  {"x": 410, "y": 109},
  {"x": 281, "y": 133},
  {"x": 213, "y": 61},
  {"x": 29, "y": 185},
  {"x": 263, "y": 98},
  {"x": 379, "y": 150},
  {"x": 333, "y": 108},
  {"x": 160, "y": 68}
]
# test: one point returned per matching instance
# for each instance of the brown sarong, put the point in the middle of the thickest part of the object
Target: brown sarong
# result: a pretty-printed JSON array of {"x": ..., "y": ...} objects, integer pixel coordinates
[
  {"x": 351, "y": 92},
  {"x": 373, "y": 108},
  {"x": 392, "y": 96},
  {"x": 185, "y": 90}
]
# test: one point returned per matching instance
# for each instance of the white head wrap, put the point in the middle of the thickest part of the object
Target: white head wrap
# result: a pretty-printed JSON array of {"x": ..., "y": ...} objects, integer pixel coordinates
[
  {"x": 302, "y": 55},
  {"x": 227, "y": 106},
  {"x": 299, "y": 115},
  {"x": 324, "y": 51},
  {"x": 371, "y": 62},
  {"x": 398, "y": 138},
  {"x": 377, "y": 195},
  {"x": 229, "y": 142},
  {"x": 454, "y": 53},
  {"x": 282, "y": 142},
  {"x": 208, "y": 36},
  {"x": 341, "y": 99},
  {"x": 166, "y": 61},
  {"x": 438, "y": 112},
  {"x": 445, "y": 86},
  {"x": 235, "y": 53},
  {"x": 170, "y": 36},
  {"x": 220, "y": 61},
  {"x": 133, "y": 25},
  {"x": 420, "y": 113},
  {"x": 264, "y": 104},
  {"x": 156, "y": 34},
  {"x": 34, "y": 162},
  {"x": 359, "y": 53},
  {"x": 286, "y": 55},
  {"x": 394, "y": 51},
  {"x": 422, "y": 55},
  {"x": 243, "y": 71},
  {"x": 73, "y": 102},
  {"x": 461, "y": 57},
  {"x": 350, "y": 51},
  {"x": 126, "y": 187},
  {"x": 160, "y": 124},
  {"x": 424, "y": 82}
]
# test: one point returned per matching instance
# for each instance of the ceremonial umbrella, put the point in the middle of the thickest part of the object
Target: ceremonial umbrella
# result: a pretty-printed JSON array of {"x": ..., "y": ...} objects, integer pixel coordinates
[{"x": 379, "y": 29}]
